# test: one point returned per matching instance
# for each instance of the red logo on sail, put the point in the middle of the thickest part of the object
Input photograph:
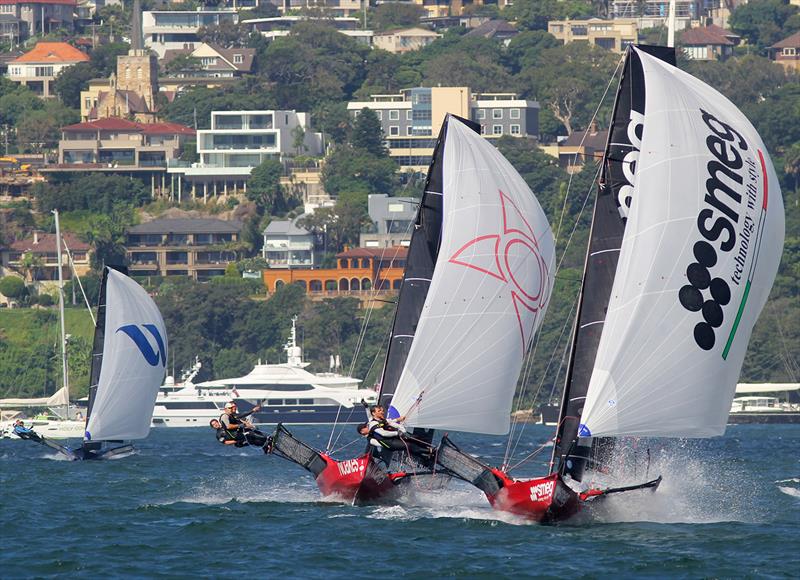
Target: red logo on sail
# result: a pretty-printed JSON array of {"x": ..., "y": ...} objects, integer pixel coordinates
[{"x": 506, "y": 256}]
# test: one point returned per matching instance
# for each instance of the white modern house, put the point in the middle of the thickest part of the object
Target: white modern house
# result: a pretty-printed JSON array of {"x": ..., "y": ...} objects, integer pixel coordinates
[
  {"x": 177, "y": 29},
  {"x": 238, "y": 141},
  {"x": 286, "y": 245}
]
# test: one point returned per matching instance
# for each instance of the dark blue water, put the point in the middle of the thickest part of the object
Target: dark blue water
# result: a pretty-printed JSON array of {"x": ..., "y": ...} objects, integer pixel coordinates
[{"x": 184, "y": 505}]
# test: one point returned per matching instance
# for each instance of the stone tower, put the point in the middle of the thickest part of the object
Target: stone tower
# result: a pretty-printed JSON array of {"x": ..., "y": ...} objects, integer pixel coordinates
[{"x": 138, "y": 71}]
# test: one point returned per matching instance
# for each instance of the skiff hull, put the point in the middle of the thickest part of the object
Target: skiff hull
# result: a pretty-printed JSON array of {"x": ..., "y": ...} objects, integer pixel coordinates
[{"x": 545, "y": 499}]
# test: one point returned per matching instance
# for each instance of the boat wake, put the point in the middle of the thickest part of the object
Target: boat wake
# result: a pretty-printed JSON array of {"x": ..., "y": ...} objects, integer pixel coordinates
[
  {"x": 693, "y": 490},
  {"x": 793, "y": 489},
  {"x": 245, "y": 489}
]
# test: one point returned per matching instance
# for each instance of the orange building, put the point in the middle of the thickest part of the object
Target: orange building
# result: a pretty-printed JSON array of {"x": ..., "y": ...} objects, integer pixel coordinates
[{"x": 356, "y": 271}]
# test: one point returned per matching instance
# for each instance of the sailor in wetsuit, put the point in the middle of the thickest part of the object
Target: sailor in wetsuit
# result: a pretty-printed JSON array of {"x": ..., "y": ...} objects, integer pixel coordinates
[
  {"x": 23, "y": 432},
  {"x": 235, "y": 429},
  {"x": 388, "y": 436}
]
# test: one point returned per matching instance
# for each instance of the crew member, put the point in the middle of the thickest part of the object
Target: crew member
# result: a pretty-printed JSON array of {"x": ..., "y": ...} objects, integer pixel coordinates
[
  {"x": 239, "y": 429},
  {"x": 23, "y": 432},
  {"x": 388, "y": 435}
]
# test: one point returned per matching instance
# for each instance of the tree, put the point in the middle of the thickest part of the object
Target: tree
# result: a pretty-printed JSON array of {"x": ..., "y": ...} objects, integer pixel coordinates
[
  {"x": 13, "y": 287},
  {"x": 535, "y": 14},
  {"x": 264, "y": 187},
  {"x": 298, "y": 139},
  {"x": 225, "y": 34},
  {"x": 107, "y": 235},
  {"x": 367, "y": 133},
  {"x": 762, "y": 22},
  {"x": 32, "y": 265},
  {"x": 395, "y": 15},
  {"x": 355, "y": 170},
  {"x": 183, "y": 63},
  {"x": 71, "y": 81},
  {"x": 313, "y": 65}
]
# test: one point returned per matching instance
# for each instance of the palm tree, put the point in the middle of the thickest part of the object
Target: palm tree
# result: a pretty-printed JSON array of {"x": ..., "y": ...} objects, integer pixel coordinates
[{"x": 32, "y": 265}]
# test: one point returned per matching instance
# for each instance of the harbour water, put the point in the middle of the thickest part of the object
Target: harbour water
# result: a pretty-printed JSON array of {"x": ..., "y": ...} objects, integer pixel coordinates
[{"x": 185, "y": 506}]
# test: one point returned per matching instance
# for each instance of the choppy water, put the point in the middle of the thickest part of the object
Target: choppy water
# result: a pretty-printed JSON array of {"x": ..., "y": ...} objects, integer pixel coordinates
[{"x": 185, "y": 506}]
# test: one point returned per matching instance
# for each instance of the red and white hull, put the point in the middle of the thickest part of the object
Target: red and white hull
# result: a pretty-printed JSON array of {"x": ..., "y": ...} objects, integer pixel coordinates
[{"x": 545, "y": 499}]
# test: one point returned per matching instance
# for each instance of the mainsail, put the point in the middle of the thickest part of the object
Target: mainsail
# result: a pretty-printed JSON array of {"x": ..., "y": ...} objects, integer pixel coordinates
[
  {"x": 700, "y": 251},
  {"x": 128, "y": 362},
  {"x": 614, "y": 196},
  {"x": 492, "y": 282}
]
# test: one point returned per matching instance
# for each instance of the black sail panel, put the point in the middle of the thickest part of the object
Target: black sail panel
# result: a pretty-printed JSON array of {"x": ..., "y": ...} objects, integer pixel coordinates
[
  {"x": 97, "y": 344},
  {"x": 605, "y": 240},
  {"x": 421, "y": 260}
]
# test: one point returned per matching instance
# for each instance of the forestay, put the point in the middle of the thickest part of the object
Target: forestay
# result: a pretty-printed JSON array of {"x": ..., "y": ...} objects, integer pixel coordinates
[
  {"x": 701, "y": 249},
  {"x": 490, "y": 288},
  {"x": 133, "y": 363}
]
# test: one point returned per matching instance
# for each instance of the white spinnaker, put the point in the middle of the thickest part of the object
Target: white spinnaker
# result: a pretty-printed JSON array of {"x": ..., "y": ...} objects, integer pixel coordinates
[
  {"x": 129, "y": 382},
  {"x": 490, "y": 288},
  {"x": 651, "y": 376}
]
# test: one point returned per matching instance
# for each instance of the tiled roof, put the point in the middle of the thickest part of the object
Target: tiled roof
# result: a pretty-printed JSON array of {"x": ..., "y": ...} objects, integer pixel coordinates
[
  {"x": 117, "y": 124},
  {"x": 395, "y": 252},
  {"x": 493, "y": 28},
  {"x": 47, "y": 244},
  {"x": 594, "y": 140},
  {"x": 285, "y": 227},
  {"x": 187, "y": 226},
  {"x": 248, "y": 54},
  {"x": 792, "y": 41},
  {"x": 705, "y": 36},
  {"x": 47, "y": 52}
]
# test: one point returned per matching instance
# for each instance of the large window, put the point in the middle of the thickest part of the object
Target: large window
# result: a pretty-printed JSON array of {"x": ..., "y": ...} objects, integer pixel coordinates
[
  {"x": 497, "y": 129},
  {"x": 497, "y": 113},
  {"x": 515, "y": 130},
  {"x": 514, "y": 113},
  {"x": 394, "y": 115},
  {"x": 394, "y": 130}
]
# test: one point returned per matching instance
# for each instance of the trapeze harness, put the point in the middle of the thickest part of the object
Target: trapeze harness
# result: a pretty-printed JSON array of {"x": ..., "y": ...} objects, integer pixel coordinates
[{"x": 386, "y": 442}]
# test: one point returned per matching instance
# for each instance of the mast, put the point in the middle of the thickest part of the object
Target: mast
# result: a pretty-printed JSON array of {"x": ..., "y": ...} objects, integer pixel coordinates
[
  {"x": 605, "y": 240},
  {"x": 671, "y": 24},
  {"x": 64, "y": 370}
]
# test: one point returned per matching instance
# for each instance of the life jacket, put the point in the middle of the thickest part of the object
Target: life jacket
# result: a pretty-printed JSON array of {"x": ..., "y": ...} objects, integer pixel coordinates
[{"x": 373, "y": 434}]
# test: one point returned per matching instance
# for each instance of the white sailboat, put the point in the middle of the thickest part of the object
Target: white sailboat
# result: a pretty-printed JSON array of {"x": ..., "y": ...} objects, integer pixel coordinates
[
  {"x": 128, "y": 365},
  {"x": 477, "y": 282},
  {"x": 686, "y": 240}
]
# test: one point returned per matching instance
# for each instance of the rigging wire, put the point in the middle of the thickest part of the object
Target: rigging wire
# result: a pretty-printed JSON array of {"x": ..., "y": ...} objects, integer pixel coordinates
[{"x": 532, "y": 352}]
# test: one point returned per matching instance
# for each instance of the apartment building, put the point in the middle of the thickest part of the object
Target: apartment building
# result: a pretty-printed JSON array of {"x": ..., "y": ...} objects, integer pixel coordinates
[
  {"x": 287, "y": 245},
  {"x": 278, "y": 26},
  {"x": 357, "y": 270},
  {"x": 653, "y": 13},
  {"x": 411, "y": 120},
  {"x": 406, "y": 40},
  {"x": 238, "y": 141},
  {"x": 708, "y": 43},
  {"x": 177, "y": 29},
  {"x": 112, "y": 141},
  {"x": 198, "y": 248},
  {"x": 614, "y": 35},
  {"x": 43, "y": 247},
  {"x": 38, "y": 68},
  {"x": 38, "y": 17},
  {"x": 787, "y": 52}
]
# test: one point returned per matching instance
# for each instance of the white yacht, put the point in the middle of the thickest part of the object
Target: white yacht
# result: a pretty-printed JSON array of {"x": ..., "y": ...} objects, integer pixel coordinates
[{"x": 288, "y": 394}]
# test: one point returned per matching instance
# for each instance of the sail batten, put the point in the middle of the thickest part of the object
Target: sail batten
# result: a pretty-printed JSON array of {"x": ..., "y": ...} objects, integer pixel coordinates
[{"x": 701, "y": 249}]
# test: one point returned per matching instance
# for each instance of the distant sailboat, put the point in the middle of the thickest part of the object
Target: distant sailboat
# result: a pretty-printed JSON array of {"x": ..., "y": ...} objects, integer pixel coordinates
[
  {"x": 128, "y": 364},
  {"x": 686, "y": 239}
]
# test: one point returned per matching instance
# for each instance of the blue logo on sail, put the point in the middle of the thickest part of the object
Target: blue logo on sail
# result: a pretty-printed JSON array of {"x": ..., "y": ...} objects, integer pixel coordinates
[
  {"x": 583, "y": 431},
  {"x": 137, "y": 336},
  {"x": 393, "y": 413}
]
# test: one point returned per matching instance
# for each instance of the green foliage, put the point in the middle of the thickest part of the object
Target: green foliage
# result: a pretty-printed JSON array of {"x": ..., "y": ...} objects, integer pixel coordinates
[
  {"x": 313, "y": 65},
  {"x": 367, "y": 133},
  {"x": 764, "y": 22},
  {"x": 193, "y": 106},
  {"x": 95, "y": 192},
  {"x": 226, "y": 34},
  {"x": 355, "y": 170},
  {"x": 395, "y": 15},
  {"x": 744, "y": 80},
  {"x": 29, "y": 354},
  {"x": 72, "y": 80},
  {"x": 13, "y": 287},
  {"x": 264, "y": 187},
  {"x": 535, "y": 14}
]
